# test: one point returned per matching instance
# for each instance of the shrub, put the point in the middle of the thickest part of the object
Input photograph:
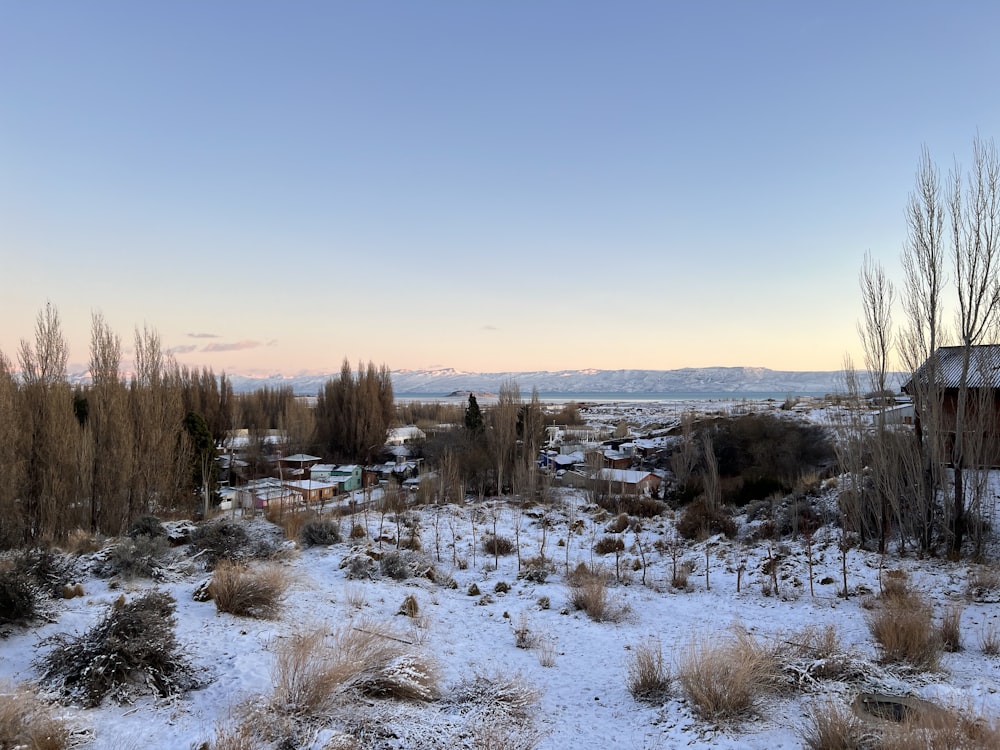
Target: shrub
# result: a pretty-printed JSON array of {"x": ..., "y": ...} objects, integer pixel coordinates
[
  {"x": 18, "y": 597},
  {"x": 359, "y": 566},
  {"x": 832, "y": 726},
  {"x": 473, "y": 589},
  {"x": 608, "y": 544},
  {"x": 508, "y": 695},
  {"x": 697, "y": 522},
  {"x": 320, "y": 533},
  {"x": 501, "y": 587},
  {"x": 136, "y": 557},
  {"x": 646, "y": 674},
  {"x": 146, "y": 526},
  {"x": 498, "y": 545},
  {"x": 221, "y": 540},
  {"x": 536, "y": 571},
  {"x": 248, "y": 592},
  {"x": 131, "y": 646},
  {"x": 27, "y": 722},
  {"x": 724, "y": 679},
  {"x": 543, "y": 602},
  {"x": 358, "y": 531},
  {"x": 47, "y": 570},
  {"x": 523, "y": 637},
  {"x": 394, "y": 566},
  {"x": 618, "y": 525},
  {"x": 903, "y": 628}
]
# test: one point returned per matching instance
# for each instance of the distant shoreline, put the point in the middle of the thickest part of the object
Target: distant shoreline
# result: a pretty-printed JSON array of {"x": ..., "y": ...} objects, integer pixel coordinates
[{"x": 611, "y": 397}]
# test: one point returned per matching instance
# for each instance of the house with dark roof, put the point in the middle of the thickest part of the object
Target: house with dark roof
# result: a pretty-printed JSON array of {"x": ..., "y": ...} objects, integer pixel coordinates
[{"x": 941, "y": 377}]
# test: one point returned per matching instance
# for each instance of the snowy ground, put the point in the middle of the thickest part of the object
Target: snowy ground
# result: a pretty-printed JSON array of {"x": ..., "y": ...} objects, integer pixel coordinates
[{"x": 584, "y": 701}]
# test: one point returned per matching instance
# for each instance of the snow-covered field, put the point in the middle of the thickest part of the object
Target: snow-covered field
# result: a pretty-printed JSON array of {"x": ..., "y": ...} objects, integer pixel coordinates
[{"x": 578, "y": 666}]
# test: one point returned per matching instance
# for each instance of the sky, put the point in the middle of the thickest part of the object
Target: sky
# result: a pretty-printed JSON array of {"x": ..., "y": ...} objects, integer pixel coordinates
[{"x": 487, "y": 186}]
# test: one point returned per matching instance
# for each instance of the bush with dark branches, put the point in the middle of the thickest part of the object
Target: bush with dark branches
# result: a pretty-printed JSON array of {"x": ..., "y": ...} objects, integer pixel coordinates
[{"x": 133, "y": 645}]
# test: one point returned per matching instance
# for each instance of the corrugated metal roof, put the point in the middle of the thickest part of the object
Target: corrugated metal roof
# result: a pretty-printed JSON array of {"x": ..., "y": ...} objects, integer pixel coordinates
[{"x": 984, "y": 367}]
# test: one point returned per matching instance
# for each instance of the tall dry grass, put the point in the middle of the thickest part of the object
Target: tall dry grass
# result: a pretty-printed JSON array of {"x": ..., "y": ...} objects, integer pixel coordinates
[
  {"x": 830, "y": 725},
  {"x": 943, "y": 728},
  {"x": 28, "y": 722},
  {"x": 589, "y": 593},
  {"x": 315, "y": 666},
  {"x": 646, "y": 673},
  {"x": 256, "y": 591},
  {"x": 903, "y": 627},
  {"x": 724, "y": 678}
]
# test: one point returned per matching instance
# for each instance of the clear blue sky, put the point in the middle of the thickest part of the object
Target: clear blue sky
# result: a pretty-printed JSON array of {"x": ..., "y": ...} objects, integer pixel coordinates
[{"x": 480, "y": 185}]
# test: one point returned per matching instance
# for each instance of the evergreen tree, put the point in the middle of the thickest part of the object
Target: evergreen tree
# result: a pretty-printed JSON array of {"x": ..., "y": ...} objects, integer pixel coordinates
[{"x": 474, "y": 417}]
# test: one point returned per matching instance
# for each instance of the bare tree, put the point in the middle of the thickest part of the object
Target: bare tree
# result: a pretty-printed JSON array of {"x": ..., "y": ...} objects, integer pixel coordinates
[
  {"x": 923, "y": 260},
  {"x": 110, "y": 433},
  {"x": 504, "y": 432},
  {"x": 974, "y": 210}
]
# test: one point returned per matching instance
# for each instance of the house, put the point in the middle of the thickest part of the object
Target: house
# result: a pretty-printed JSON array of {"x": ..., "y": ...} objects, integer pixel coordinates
[
  {"x": 629, "y": 482},
  {"x": 298, "y": 463},
  {"x": 312, "y": 491},
  {"x": 347, "y": 477},
  {"x": 321, "y": 472},
  {"x": 260, "y": 494},
  {"x": 405, "y": 435},
  {"x": 942, "y": 373}
]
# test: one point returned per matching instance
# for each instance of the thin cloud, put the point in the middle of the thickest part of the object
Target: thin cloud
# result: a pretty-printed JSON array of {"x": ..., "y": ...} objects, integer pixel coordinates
[
  {"x": 183, "y": 349},
  {"x": 203, "y": 335},
  {"x": 233, "y": 347},
  {"x": 490, "y": 328}
]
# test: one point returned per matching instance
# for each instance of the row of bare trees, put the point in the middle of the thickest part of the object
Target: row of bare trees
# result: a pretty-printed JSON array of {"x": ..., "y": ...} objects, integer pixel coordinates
[
  {"x": 928, "y": 485},
  {"x": 98, "y": 456},
  {"x": 93, "y": 457}
]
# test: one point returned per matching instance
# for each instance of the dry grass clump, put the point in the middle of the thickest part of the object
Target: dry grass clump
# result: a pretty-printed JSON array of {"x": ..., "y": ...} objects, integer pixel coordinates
[
  {"x": 903, "y": 627},
  {"x": 724, "y": 678},
  {"x": 590, "y": 594},
  {"x": 27, "y": 722},
  {"x": 938, "y": 727},
  {"x": 239, "y": 736},
  {"x": 833, "y": 726},
  {"x": 82, "y": 542},
  {"x": 248, "y": 592},
  {"x": 646, "y": 673},
  {"x": 984, "y": 584},
  {"x": 989, "y": 640},
  {"x": 314, "y": 667},
  {"x": 409, "y": 607},
  {"x": 950, "y": 630},
  {"x": 545, "y": 650}
]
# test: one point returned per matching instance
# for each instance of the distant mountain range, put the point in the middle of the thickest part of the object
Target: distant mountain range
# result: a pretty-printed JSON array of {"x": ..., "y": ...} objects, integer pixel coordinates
[{"x": 689, "y": 380}]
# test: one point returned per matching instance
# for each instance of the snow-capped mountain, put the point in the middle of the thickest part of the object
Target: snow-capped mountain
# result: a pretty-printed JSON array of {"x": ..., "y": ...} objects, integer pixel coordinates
[{"x": 691, "y": 380}]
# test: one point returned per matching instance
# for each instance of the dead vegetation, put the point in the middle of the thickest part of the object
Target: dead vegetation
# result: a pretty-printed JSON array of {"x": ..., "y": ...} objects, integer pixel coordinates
[
  {"x": 27, "y": 722},
  {"x": 248, "y": 591}
]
